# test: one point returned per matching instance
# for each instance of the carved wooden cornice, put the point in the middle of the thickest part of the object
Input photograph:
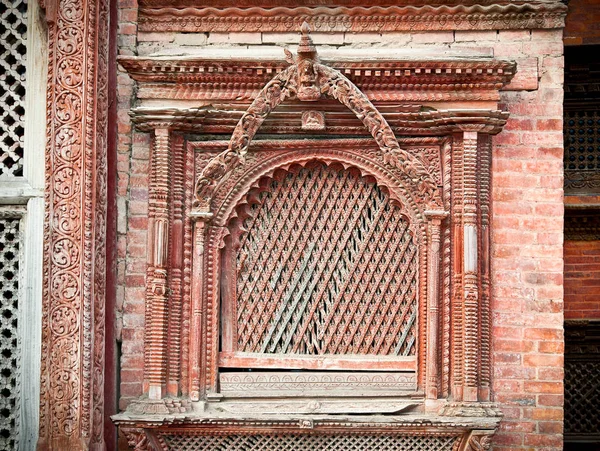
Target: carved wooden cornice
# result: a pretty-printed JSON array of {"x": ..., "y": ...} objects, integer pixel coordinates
[
  {"x": 184, "y": 15},
  {"x": 390, "y": 67},
  {"x": 389, "y": 75},
  {"x": 209, "y": 119}
]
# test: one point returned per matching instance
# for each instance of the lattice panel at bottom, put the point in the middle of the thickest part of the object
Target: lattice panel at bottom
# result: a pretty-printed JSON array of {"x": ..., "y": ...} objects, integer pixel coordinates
[
  {"x": 310, "y": 442},
  {"x": 582, "y": 397}
]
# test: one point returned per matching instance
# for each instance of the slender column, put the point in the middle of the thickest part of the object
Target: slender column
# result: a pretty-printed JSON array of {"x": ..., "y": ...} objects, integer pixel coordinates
[
  {"x": 456, "y": 223},
  {"x": 470, "y": 266},
  {"x": 433, "y": 301},
  {"x": 176, "y": 265},
  {"x": 158, "y": 245},
  {"x": 485, "y": 320},
  {"x": 197, "y": 307}
]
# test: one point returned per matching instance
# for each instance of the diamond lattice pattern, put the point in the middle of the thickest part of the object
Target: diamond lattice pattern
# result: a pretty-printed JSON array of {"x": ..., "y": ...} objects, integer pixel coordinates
[
  {"x": 582, "y": 397},
  {"x": 309, "y": 442},
  {"x": 13, "y": 31},
  {"x": 9, "y": 341},
  {"x": 327, "y": 266}
]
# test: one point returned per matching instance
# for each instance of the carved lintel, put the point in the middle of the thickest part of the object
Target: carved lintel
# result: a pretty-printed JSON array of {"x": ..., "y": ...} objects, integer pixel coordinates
[
  {"x": 161, "y": 15},
  {"x": 150, "y": 119},
  {"x": 164, "y": 406}
]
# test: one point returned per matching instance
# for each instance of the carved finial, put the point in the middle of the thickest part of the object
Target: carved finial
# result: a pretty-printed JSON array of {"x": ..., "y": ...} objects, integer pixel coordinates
[
  {"x": 308, "y": 86},
  {"x": 306, "y": 49}
]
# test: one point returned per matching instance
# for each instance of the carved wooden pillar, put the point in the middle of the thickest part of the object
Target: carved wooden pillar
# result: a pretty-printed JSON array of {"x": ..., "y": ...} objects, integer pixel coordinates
[
  {"x": 72, "y": 364},
  {"x": 197, "y": 309},
  {"x": 457, "y": 269},
  {"x": 470, "y": 267},
  {"x": 484, "y": 259},
  {"x": 433, "y": 302},
  {"x": 157, "y": 278},
  {"x": 176, "y": 264}
]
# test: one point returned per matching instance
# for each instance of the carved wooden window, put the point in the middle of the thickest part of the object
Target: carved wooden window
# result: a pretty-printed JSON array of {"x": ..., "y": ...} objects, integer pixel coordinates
[
  {"x": 13, "y": 31},
  {"x": 323, "y": 259},
  {"x": 582, "y": 383},
  {"x": 581, "y": 125},
  {"x": 321, "y": 268},
  {"x": 10, "y": 352}
]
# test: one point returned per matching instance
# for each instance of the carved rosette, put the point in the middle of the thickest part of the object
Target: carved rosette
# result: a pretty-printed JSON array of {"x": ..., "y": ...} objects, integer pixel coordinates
[{"x": 71, "y": 407}]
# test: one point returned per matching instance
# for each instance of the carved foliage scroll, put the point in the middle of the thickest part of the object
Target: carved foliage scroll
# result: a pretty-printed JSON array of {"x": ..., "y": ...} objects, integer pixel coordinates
[
  {"x": 71, "y": 411},
  {"x": 309, "y": 80}
]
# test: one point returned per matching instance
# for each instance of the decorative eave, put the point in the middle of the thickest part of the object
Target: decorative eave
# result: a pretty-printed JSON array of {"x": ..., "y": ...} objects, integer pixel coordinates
[
  {"x": 278, "y": 16},
  {"x": 383, "y": 75},
  {"x": 208, "y": 119}
]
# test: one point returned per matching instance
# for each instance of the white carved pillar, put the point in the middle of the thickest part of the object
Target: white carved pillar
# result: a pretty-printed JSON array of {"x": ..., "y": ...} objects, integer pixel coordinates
[
  {"x": 470, "y": 266},
  {"x": 433, "y": 302},
  {"x": 157, "y": 277}
]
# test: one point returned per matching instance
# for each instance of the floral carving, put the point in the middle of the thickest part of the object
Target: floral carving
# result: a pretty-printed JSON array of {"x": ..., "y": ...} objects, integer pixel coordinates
[
  {"x": 71, "y": 410},
  {"x": 308, "y": 80},
  {"x": 479, "y": 442},
  {"x": 159, "y": 15},
  {"x": 137, "y": 439}
]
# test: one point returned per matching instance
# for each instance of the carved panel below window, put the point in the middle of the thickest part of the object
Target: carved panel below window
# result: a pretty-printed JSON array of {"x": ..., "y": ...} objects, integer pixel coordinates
[{"x": 309, "y": 442}]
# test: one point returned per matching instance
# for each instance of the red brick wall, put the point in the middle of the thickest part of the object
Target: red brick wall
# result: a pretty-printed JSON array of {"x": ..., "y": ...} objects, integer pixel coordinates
[
  {"x": 582, "y": 279},
  {"x": 527, "y": 259},
  {"x": 582, "y": 24},
  {"x": 527, "y": 220}
]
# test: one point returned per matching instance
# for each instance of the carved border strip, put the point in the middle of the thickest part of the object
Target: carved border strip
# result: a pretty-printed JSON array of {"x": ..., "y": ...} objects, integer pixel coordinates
[
  {"x": 71, "y": 405},
  {"x": 353, "y": 19},
  {"x": 211, "y": 119}
]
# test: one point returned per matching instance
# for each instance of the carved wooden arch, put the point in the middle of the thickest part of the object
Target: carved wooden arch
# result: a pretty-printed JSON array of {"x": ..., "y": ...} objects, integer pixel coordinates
[
  {"x": 410, "y": 200},
  {"x": 414, "y": 218},
  {"x": 308, "y": 80}
]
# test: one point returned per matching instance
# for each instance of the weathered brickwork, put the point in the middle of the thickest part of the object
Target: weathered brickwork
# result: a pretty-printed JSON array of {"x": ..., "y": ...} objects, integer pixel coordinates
[
  {"x": 582, "y": 25},
  {"x": 582, "y": 279},
  {"x": 527, "y": 214}
]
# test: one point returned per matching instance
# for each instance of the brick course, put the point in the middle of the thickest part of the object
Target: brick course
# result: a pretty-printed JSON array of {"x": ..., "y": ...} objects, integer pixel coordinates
[{"x": 582, "y": 279}]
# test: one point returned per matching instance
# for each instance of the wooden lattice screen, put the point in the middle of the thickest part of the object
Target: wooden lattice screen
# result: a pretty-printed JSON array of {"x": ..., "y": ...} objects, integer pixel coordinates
[{"x": 325, "y": 264}]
